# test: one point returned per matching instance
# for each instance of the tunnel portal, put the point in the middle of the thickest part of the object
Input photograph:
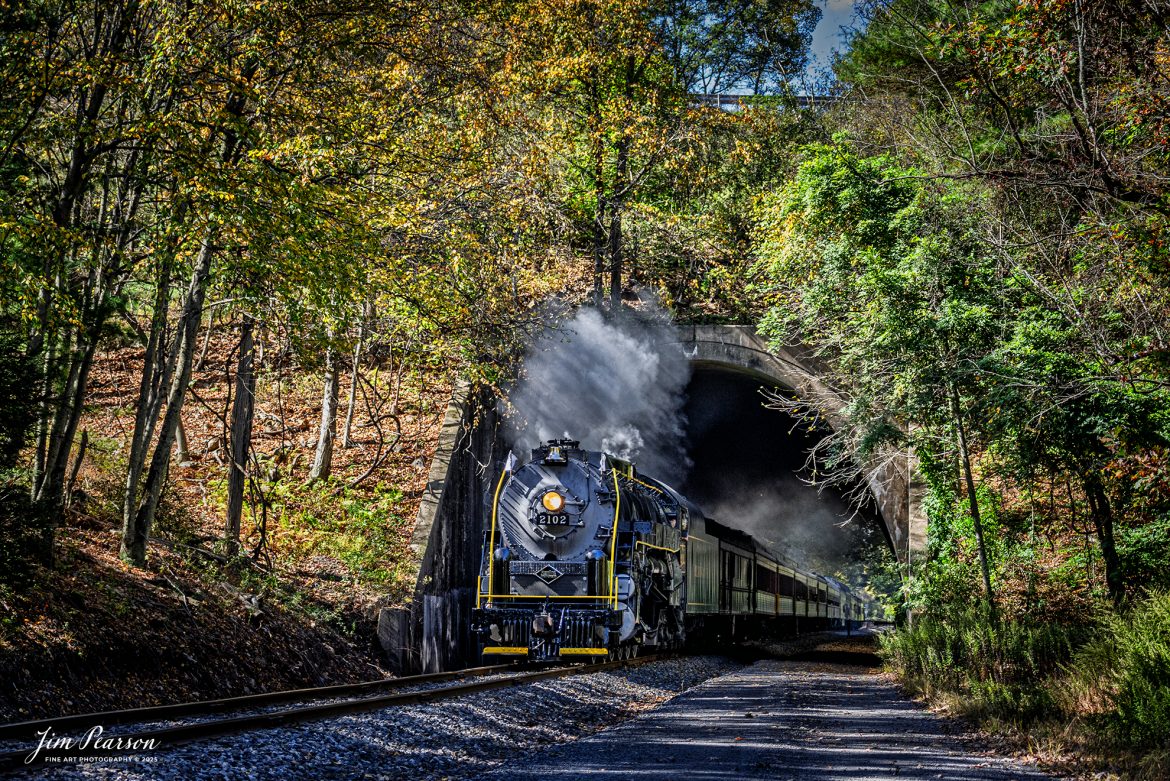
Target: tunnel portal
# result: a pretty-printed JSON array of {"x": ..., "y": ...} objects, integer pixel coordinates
[
  {"x": 893, "y": 484},
  {"x": 750, "y": 470}
]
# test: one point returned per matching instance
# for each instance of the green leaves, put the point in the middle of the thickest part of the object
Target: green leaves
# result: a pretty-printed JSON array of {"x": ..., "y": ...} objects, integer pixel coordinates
[{"x": 863, "y": 266}]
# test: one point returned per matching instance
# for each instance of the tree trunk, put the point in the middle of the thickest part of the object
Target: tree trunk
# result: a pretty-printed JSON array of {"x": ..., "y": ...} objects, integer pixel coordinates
[
  {"x": 617, "y": 206},
  {"x": 973, "y": 502},
  {"x": 81, "y": 447},
  {"x": 621, "y": 188},
  {"x": 182, "y": 449},
  {"x": 357, "y": 357},
  {"x": 206, "y": 338},
  {"x": 66, "y": 419},
  {"x": 599, "y": 240},
  {"x": 598, "y": 256},
  {"x": 136, "y": 526},
  {"x": 1102, "y": 513},
  {"x": 323, "y": 460},
  {"x": 44, "y": 415},
  {"x": 241, "y": 435},
  {"x": 157, "y": 368}
]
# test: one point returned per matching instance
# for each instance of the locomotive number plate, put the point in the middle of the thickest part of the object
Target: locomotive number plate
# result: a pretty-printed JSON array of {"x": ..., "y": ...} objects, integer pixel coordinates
[{"x": 555, "y": 519}]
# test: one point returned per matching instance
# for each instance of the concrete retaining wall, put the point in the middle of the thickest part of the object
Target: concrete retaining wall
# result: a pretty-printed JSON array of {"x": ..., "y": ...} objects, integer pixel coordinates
[{"x": 432, "y": 635}]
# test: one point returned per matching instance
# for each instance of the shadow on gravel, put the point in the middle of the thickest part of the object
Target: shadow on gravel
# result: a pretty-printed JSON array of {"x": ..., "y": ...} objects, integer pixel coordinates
[
  {"x": 858, "y": 649},
  {"x": 853, "y": 658},
  {"x": 781, "y": 719}
]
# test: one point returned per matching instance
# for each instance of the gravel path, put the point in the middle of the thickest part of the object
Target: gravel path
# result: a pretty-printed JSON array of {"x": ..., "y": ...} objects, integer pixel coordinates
[
  {"x": 457, "y": 740},
  {"x": 778, "y": 720}
]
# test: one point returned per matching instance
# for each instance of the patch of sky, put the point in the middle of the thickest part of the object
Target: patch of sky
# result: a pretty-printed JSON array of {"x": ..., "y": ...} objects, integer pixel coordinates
[{"x": 838, "y": 18}]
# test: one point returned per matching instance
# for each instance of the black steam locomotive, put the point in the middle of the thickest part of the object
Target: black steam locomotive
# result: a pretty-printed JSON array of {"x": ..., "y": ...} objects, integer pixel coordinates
[{"x": 586, "y": 557}]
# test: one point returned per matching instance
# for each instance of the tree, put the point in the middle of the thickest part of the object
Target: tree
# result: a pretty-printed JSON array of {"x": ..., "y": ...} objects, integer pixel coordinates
[
  {"x": 1057, "y": 111},
  {"x": 74, "y": 139},
  {"x": 239, "y": 450},
  {"x": 323, "y": 459},
  {"x": 754, "y": 46},
  {"x": 261, "y": 190},
  {"x": 599, "y": 95},
  {"x": 883, "y": 280}
]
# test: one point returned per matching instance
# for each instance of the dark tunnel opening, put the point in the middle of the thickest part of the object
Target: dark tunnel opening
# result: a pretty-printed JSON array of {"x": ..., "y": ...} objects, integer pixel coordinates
[{"x": 748, "y": 465}]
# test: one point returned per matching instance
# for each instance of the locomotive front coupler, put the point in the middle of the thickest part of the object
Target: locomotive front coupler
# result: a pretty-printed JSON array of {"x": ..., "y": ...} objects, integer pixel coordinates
[{"x": 544, "y": 626}]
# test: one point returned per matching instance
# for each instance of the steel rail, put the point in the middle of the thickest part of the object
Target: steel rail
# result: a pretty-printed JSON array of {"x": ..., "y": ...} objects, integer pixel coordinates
[
  {"x": 187, "y": 733},
  {"x": 29, "y": 729}
]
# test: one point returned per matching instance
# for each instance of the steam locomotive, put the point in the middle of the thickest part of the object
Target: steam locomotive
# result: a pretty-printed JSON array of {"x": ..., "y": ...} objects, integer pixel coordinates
[{"x": 587, "y": 557}]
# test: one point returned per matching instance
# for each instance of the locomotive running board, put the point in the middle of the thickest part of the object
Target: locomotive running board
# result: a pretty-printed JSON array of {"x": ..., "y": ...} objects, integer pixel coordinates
[
  {"x": 499, "y": 650},
  {"x": 584, "y": 651}
]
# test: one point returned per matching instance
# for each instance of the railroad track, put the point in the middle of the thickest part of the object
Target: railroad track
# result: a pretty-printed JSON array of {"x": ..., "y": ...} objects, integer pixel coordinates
[{"x": 508, "y": 675}]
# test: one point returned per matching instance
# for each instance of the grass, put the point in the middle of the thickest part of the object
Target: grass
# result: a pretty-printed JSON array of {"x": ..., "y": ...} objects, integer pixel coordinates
[
  {"x": 1122, "y": 677},
  {"x": 1099, "y": 691},
  {"x": 365, "y": 531},
  {"x": 997, "y": 669}
]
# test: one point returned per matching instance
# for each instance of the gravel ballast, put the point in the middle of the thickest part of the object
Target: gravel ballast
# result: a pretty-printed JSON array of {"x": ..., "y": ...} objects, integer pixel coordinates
[
  {"x": 458, "y": 739},
  {"x": 781, "y": 720}
]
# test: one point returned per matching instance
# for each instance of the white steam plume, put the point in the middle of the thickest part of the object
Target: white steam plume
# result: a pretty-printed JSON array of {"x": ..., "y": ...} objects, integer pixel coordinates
[{"x": 616, "y": 383}]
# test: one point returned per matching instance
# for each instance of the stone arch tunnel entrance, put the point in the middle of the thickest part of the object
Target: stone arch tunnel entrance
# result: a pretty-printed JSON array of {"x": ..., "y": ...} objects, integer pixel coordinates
[
  {"x": 723, "y": 351},
  {"x": 749, "y": 471}
]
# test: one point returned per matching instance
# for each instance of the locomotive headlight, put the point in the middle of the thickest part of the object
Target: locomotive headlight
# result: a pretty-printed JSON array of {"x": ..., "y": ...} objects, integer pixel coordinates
[{"x": 553, "y": 502}]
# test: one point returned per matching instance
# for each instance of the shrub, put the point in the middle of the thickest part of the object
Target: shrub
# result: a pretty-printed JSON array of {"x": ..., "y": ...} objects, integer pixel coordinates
[
  {"x": 1109, "y": 678},
  {"x": 1127, "y": 666},
  {"x": 1142, "y": 550},
  {"x": 999, "y": 669}
]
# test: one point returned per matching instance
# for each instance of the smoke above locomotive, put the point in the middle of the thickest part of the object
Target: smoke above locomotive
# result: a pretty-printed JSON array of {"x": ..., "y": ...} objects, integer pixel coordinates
[
  {"x": 614, "y": 381},
  {"x": 618, "y": 382}
]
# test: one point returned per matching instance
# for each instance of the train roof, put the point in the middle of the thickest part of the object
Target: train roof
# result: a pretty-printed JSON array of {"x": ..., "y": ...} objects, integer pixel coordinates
[{"x": 737, "y": 536}]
